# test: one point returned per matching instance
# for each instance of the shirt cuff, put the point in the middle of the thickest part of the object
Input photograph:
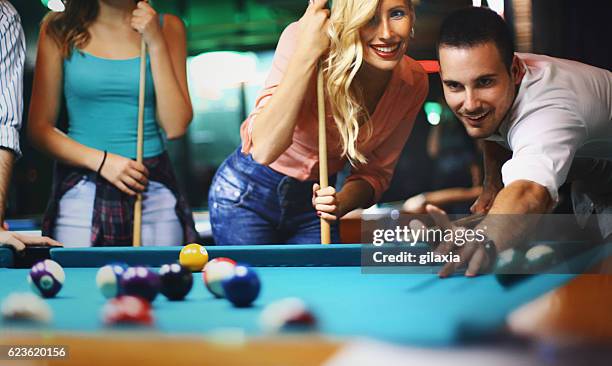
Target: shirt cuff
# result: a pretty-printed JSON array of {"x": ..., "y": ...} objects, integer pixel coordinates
[
  {"x": 536, "y": 172},
  {"x": 9, "y": 139}
]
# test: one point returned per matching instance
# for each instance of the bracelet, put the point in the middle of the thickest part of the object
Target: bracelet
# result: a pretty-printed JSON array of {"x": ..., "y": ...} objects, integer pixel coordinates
[{"x": 102, "y": 163}]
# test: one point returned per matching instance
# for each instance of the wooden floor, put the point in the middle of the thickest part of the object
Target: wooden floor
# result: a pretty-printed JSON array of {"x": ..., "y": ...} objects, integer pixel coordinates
[{"x": 176, "y": 351}]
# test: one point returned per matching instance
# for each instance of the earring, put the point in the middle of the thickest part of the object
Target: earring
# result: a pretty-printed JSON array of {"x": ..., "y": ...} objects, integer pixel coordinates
[{"x": 412, "y": 32}]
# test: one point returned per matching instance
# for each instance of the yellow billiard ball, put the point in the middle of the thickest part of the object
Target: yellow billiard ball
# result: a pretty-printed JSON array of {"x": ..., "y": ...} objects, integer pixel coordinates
[{"x": 194, "y": 257}]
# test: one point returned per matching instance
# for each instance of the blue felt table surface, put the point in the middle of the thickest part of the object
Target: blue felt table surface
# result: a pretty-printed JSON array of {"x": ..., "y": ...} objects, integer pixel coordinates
[
  {"x": 405, "y": 308},
  {"x": 399, "y": 308}
]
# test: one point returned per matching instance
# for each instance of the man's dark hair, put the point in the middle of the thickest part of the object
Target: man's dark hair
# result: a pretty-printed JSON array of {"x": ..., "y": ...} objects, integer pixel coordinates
[{"x": 474, "y": 26}]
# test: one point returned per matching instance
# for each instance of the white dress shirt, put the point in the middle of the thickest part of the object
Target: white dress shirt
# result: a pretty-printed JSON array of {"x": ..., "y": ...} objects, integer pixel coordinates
[{"x": 563, "y": 110}]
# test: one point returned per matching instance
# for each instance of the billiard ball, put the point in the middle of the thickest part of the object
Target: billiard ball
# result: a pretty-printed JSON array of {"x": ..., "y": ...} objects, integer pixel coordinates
[
  {"x": 141, "y": 282},
  {"x": 46, "y": 278},
  {"x": 215, "y": 272},
  {"x": 540, "y": 257},
  {"x": 25, "y": 307},
  {"x": 510, "y": 261},
  {"x": 108, "y": 279},
  {"x": 242, "y": 288},
  {"x": 176, "y": 281},
  {"x": 289, "y": 314},
  {"x": 127, "y": 309},
  {"x": 194, "y": 257}
]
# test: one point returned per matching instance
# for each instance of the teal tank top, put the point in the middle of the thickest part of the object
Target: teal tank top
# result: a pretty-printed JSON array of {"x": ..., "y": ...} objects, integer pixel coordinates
[{"x": 102, "y": 101}]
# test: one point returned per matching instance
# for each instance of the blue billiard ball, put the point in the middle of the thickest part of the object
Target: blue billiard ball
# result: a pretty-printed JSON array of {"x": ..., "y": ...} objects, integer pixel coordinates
[
  {"x": 176, "y": 281},
  {"x": 108, "y": 279},
  {"x": 242, "y": 288},
  {"x": 141, "y": 282},
  {"x": 46, "y": 278}
]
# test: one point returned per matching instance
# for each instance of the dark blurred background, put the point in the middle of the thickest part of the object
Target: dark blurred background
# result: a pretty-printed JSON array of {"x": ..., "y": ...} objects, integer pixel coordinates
[{"x": 231, "y": 45}]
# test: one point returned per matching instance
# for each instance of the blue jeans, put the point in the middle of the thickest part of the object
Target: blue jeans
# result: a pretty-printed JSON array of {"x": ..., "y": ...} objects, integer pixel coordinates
[{"x": 250, "y": 203}]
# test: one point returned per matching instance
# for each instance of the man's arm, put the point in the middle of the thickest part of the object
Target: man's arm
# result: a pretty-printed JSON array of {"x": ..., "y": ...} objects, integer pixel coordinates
[
  {"x": 12, "y": 58},
  {"x": 7, "y": 158},
  {"x": 494, "y": 157},
  {"x": 515, "y": 211}
]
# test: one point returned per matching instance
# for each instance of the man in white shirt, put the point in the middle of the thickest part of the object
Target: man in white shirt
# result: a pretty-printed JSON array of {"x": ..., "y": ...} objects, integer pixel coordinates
[
  {"x": 12, "y": 56},
  {"x": 553, "y": 116}
]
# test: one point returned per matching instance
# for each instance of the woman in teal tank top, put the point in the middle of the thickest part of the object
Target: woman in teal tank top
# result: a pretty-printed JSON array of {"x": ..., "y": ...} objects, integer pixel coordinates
[{"x": 91, "y": 52}]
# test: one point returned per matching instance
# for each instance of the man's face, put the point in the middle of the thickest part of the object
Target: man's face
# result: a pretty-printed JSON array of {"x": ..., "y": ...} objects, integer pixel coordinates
[{"x": 477, "y": 86}]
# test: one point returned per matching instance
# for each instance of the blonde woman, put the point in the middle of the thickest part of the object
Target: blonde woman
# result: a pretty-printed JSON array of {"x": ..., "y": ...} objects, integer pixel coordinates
[{"x": 266, "y": 191}]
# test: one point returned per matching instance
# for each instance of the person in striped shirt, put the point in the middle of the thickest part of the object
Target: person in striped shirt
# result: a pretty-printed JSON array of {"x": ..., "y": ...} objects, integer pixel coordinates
[{"x": 12, "y": 56}]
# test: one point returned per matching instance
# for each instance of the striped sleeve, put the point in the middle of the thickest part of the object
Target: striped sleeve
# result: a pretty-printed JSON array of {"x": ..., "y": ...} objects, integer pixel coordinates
[{"x": 12, "y": 57}]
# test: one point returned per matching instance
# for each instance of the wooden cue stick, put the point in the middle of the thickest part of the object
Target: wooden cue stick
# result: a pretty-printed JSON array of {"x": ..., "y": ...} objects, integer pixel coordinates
[
  {"x": 470, "y": 221},
  {"x": 137, "y": 235},
  {"x": 323, "y": 178}
]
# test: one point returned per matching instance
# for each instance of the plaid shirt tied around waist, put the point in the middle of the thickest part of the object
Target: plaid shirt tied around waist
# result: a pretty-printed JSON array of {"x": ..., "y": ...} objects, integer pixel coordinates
[{"x": 113, "y": 216}]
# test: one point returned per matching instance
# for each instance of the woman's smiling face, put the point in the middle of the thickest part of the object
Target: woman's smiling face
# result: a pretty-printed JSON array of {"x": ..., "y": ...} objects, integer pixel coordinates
[{"x": 385, "y": 38}]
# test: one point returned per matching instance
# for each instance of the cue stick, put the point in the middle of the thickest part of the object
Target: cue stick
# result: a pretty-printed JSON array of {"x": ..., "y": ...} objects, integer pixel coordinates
[
  {"x": 137, "y": 234},
  {"x": 470, "y": 221},
  {"x": 323, "y": 178}
]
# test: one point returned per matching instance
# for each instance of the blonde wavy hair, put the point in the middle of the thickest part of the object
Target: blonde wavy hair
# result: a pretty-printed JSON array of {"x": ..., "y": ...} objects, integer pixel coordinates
[{"x": 340, "y": 68}]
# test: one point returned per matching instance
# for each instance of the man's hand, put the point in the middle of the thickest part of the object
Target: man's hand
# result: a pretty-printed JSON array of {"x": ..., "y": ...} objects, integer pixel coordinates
[
  {"x": 472, "y": 254},
  {"x": 486, "y": 198},
  {"x": 20, "y": 241}
]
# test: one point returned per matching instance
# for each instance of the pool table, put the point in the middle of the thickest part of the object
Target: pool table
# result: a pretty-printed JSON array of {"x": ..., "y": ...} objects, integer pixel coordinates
[{"x": 405, "y": 309}]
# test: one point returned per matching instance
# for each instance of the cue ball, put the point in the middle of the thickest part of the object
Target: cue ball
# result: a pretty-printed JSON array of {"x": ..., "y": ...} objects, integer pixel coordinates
[
  {"x": 141, "y": 282},
  {"x": 242, "y": 288},
  {"x": 25, "y": 307},
  {"x": 176, "y": 281},
  {"x": 194, "y": 257},
  {"x": 540, "y": 257},
  {"x": 215, "y": 272},
  {"x": 46, "y": 278},
  {"x": 108, "y": 279}
]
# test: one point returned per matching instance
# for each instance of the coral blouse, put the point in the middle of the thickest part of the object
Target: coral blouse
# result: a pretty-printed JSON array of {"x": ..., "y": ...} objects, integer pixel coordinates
[{"x": 392, "y": 123}]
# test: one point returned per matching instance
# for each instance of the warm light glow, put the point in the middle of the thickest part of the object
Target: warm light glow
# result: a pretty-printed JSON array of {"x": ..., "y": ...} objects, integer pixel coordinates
[
  {"x": 211, "y": 73},
  {"x": 223, "y": 69},
  {"x": 523, "y": 26}
]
